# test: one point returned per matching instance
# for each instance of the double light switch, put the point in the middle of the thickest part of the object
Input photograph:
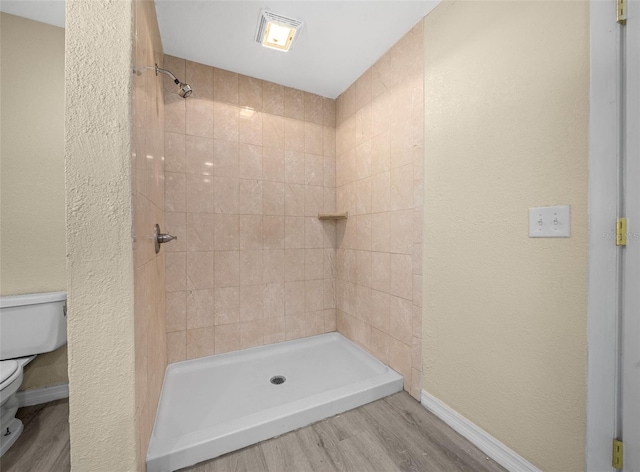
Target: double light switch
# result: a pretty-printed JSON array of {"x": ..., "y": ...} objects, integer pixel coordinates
[{"x": 550, "y": 222}]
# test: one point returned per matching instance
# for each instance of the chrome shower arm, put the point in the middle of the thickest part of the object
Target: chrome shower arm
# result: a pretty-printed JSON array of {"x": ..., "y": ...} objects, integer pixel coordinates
[{"x": 165, "y": 71}]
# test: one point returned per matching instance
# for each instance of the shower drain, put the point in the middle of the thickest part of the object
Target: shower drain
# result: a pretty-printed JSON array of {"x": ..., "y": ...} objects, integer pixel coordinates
[{"x": 277, "y": 379}]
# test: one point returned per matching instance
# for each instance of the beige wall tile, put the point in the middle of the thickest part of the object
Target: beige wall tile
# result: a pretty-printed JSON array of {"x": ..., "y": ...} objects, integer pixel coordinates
[
  {"x": 174, "y": 113},
  {"x": 294, "y": 135},
  {"x": 381, "y": 271},
  {"x": 329, "y": 112},
  {"x": 273, "y": 198},
  {"x": 294, "y": 196},
  {"x": 175, "y": 192},
  {"x": 313, "y": 232},
  {"x": 401, "y": 319},
  {"x": 174, "y": 152},
  {"x": 176, "y": 307},
  {"x": 363, "y": 268},
  {"x": 250, "y": 267},
  {"x": 176, "y": 224},
  {"x": 243, "y": 198},
  {"x": 294, "y": 232},
  {"x": 294, "y": 298},
  {"x": 273, "y": 232},
  {"x": 293, "y": 103},
  {"x": 226, "y": 195},
  {"x": 227, "y": 269},
  {"x": 226, "y": 119},
  {"x": 251, "y": 302},
  {"x": 176, "y": 346},
  {"x": 250, "y": 232},
  {"x": 199, "y": 270},
  {"x": 330, "y": 322},
  {"x": 273, "y": 164},
  {"x": 273, "y": 330},
  {"x": 200, "y": 342},
  {"x": 380, "y": 345},
  {"x": 250, "y": 161},
  {"x": 313, "y": 108},
  {"x": 313, "y": 138},
  {"x": 294, "y": 265},
  {"x": 250, "y": 92},
  {"x": 400, "y": 358},
  {"x": 200, "y": 77},
  {"x": 197, "y": 155},
  {"x": 294, "y": 167},
  {"x": 313, "y": 264},
  {"x": 314, "y": 296},
  {"x": 176, "y": 272},
  {"x": 250, "y": 197},
  {"x": 199, "y": 232},
  {"x": 401, "y": 231},
  {"x": 200, "y": 309},
  {"x": 199, "y": 117},
  {"x": 199, "y": 193},
  {"x": 273, "y": 131},
  {"x": 273, "y": 98},
  {"x": 226, "y": 232},
  {"x": 227, "y": 338},
  {"x": 380, "y": 232},
  {"x": 273, "y": 302},
  {"x": 226, "y": 305},
  {"x": 313, "y": 200},
  {"x": 250, "y": 127},
  {"x": 401, "y": 278},
  {"x": 225, "y": 158},
  {"x": 225, "y": 86},
  {"x": 272, "y": 266},
  {"x": 314, "y": 169},
  {"x": 251, "y": 334}
]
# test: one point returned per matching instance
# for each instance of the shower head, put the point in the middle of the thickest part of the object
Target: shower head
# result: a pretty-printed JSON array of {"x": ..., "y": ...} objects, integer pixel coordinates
[{"x": 185, "y": 89}]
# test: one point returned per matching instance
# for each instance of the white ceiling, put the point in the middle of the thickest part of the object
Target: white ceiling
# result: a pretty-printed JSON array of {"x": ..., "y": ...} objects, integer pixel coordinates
[
  {"x": 340, "y": 39},
  {"x": 44, "y": 11}
]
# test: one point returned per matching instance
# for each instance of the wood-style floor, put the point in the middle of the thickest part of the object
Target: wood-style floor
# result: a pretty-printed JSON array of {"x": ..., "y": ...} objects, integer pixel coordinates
[
  {"x": 392, "y": 434},
  {"x": 43, "y": 446}
]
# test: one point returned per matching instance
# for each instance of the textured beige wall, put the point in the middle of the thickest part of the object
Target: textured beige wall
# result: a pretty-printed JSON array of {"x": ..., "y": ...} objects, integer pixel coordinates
[
  {"x": 147, "y": 170},
  {"x": 250, "y": 164},
  {"x": 32, "y": 172},
  {"x": 98, "y": 136},
  {"x": 379, "y": 176},
  {"x": 506, "y": 94}
]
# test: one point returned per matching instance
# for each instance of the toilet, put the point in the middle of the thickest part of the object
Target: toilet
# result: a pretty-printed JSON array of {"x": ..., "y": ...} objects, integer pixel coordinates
[{"x": 29, "y": 325}]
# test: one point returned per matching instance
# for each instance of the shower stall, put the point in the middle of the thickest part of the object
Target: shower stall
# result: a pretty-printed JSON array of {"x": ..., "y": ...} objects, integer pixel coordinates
[{"x": 292, "y": 289}]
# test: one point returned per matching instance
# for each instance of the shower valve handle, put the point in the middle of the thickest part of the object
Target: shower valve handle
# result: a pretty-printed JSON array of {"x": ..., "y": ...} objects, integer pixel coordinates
[{"x": 161, "y": 238}]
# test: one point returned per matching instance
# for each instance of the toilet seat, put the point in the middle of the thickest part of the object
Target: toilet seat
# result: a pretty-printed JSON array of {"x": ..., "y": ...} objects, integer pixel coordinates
[
  {"x": 7, "y": 368},
  {"x": 11, "y": 374}
]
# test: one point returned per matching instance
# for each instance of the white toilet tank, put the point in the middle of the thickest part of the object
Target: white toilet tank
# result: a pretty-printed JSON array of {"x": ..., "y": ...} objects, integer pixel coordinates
[{"x": 32, "y": 324}]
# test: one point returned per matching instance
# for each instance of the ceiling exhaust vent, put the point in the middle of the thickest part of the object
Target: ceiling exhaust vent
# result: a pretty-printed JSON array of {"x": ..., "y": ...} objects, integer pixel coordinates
[{"x": 277, "y": 31}]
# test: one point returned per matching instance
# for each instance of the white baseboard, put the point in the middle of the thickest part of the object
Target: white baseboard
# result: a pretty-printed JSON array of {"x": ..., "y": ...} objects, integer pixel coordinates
[
  {"x": 37, "y": 396},
  {"x": 506, "y": 457}
]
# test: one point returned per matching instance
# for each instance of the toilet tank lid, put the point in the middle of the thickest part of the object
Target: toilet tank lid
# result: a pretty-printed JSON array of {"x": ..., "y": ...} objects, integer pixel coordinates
[{"x": 32, "y": 299}]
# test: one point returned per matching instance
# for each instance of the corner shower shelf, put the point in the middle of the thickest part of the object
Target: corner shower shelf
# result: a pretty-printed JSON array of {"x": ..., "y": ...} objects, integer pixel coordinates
[{"x": 333, "y": 216}]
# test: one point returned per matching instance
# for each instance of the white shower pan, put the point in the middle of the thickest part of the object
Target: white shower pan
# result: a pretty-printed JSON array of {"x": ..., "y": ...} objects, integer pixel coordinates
[{"x": 218, "y": 404}]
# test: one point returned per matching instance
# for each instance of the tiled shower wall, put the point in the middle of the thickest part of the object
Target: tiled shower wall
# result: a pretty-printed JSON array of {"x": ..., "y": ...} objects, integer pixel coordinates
[
  {"x": 148, "y": 209},
  {"x": 379, "y": 177},
  {"x": 248, "y": 166}
]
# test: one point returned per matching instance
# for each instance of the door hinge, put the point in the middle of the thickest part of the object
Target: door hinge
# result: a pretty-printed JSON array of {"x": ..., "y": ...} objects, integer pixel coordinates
[
  {"x": 618, "y": 454},
  {"x": 621, "y": 232},
  {"x": 621, "y": 11}
]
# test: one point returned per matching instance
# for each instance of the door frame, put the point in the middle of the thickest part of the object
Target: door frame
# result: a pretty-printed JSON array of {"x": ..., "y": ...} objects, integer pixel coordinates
[{"x": 602, "y": 294}]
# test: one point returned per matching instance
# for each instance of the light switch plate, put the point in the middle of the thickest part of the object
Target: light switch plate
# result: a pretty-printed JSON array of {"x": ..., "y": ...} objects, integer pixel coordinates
[{"x": 550, "y": 222}]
